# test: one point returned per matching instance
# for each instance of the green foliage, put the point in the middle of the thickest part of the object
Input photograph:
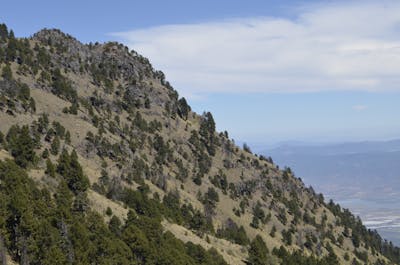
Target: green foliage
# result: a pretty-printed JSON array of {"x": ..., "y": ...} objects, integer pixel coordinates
[
  {"x": 362, "y": 255},
  {"x": 70, "y": 169},
  {"x": 220, "y": 181},
  {"x": 11, "y": 49},
  {"x": 3, "y": 33},
  {"x": 32, "y": 105},
  {"x": 45, "y": 153},
  {"x": 21, "y": 145},
  {"x": 55, "y": 146},
  {"x": 183, "y": 108},
  {"x": 18, "y": 94},
  {"x": 115, "y": 225},
  {"x": 147, "y": 102},
  {"x": 361, "y": 234},
  {"x": 109, "y": 211},
  {"x": 146, "y": 239},
  {"x": 258, "y": 216},
  {"x": 207, "y": 131},
  {"x": 43, "y": 123},
  {"x": 287, "y": 237},
  {"x": 43, "y": 58},
  {"x": 232, "y": 232},
  {"x": 43, "y": 230},
  {"x": 6, "y": 72},
  {"x": 201, "y": 256},
  {"x": 273, "y": 231},
  {"x": 258, "y": 252},
  {"x": 59, "y": 129},
  {"x": 203, "y": 160},
  {"x": 210, "y": 200},
  {"x": 172, "y": 207},
  {"x": 298, "y": 258},
  {"x": 246, "y": 148},
  {"x": 183, "y": 172},
  {"x": 67, "y": 137},
  {"x": 162, "y": 148},
  {"x": 139, "y": 201},
  {"x": 197, "y": 180},
  {"x": 73, "y": 109},
  {"x": 139, "y": 122},
  {"x": 24, "y": 92},
  {"x": 62, "y": 87},
  {"x": 50, "y": 168}
]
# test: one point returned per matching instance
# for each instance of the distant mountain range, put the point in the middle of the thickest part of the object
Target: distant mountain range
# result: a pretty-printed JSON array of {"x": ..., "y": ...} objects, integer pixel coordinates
[{"x": 364, "y": 176}]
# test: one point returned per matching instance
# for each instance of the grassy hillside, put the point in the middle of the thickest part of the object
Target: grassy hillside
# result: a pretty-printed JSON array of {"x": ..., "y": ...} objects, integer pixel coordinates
[{"x": 103, "y": 163}]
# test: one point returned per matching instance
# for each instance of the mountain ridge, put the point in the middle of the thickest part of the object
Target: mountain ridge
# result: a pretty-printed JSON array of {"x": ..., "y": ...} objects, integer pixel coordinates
[{"x": 111, "y": 133}]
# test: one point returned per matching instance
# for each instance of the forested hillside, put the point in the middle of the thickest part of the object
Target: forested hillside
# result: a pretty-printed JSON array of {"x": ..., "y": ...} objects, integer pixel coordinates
[{"x": 101, "y": 162}]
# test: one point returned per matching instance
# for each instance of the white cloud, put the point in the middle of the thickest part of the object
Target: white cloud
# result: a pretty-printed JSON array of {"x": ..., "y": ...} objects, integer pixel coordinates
[
  {"x": 359, "y": 107},
  {"x": 345, "y": 46}
]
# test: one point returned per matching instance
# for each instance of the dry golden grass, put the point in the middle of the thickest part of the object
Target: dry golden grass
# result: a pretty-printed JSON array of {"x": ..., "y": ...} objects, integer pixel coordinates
[
  {"x": 10, "y": 261},
  {"x": 233, "y": 254},
  {"x": 4, "y": 155},
  {"x": 100, "y": 204},
  {"x": 177, "y": 131}
]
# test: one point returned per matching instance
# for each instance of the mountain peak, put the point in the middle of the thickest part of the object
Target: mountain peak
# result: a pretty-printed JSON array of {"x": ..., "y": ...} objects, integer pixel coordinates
[
  {"x": 121, "y": 163},
  {"x": 54, "y": 37}
]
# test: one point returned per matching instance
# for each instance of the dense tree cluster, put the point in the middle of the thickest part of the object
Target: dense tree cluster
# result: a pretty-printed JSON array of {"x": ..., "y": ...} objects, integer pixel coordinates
[
  {"x": 40, "y": 228},
  {"x": 21, "y": 145},
  {"x": 220, "y": 181},
  {"x": 360, "y": 233},
  {"x": 203, "y": 159},
  {"x": 298, "y": 258},
  {"x": 259, "y": 216},
  {"x": 170, "y": 207},
  {"x": 258, "y": 252},
  {"x": 15, "y": 95},
  {"x": 70, "y": 169},
  {"x": 62, "y": 87},
  {"x": 232, "y": 232}
]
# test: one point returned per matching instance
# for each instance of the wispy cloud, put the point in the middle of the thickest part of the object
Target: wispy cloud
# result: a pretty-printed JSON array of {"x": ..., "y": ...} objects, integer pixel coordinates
[
  {"x": 347, "y": 46},
  {"x": 359, "y": 107}
]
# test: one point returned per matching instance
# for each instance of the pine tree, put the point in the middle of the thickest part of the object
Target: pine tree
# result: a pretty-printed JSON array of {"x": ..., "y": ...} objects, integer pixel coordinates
[
  {"x": 6, "y": 72},
  {"x": 68, "y": 137},
  {"x": 55, "y": 146},
  {"x": 63, "y": 163},
  {"x": 50, "y": 168},
  {"x": 63, "y": 199},
  {"x": 3, "y": 33},
  {"x": 45, "y": 154},
  {"x": 183, "y": 108},
  {"x": 21, "y": 145},
  {"x": 207, "y": 130},
  {"x": 258, "y": 252},
  {"x": 32, "y": 105},
  {"x": 72, "y": 172}
]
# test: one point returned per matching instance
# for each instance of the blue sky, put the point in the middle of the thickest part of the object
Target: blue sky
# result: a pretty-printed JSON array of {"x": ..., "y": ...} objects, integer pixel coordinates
[{"x": 269, "y": 71}]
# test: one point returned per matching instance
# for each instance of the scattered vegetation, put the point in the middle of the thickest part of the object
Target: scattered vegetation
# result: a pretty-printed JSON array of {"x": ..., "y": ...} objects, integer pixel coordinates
[{"x": 143, "y": 137}]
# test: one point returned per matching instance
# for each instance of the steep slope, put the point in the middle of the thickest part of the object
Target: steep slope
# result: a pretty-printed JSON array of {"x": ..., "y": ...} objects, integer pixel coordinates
[{"x": 109, "y": 141}]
